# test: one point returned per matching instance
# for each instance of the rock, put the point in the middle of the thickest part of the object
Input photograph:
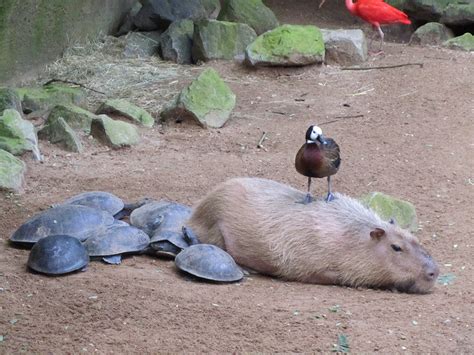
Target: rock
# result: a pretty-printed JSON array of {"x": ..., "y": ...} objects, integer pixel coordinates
[
  {"x": 252, "y": 12},
  {"x": 57, "y": 131},
  {"x": 220, "y": 39},
  {"x": 46, "y": 97},
  {"x": 141, "y": 44},
  {"x": 345, "y": 47},
  {"x": 76, "y": 117},
  {"x": 127, "y": 24},
  {"x": 287, "y": 45},
  {"x": 9, "y": 98},
  {"x": 12, "y": 171},
  {"x": 388, "y": 207},
  {"x": 458, "y": 14},
  {"x": 114, "y": 133},
  {"x": 432, "y": 33},
  {"x": 128, "y": 110},
  {"x": 448, "y": 12},
  {"x": 17, "y": 135},
  {"x": 212, "y": 8},
  {"x": 208, "y": 100},
  {"x": 464, "y": 43},
  {"x": 162, "y": 13},
  {"x": 177, "y": 41}
]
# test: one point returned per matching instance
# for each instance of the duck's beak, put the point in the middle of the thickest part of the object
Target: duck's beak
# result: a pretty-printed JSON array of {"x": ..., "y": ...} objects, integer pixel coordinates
[{"x": 321, "y": 139}]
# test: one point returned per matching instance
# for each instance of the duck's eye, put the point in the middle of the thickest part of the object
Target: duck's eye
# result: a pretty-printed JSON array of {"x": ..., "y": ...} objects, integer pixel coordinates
[{"x": 396, "y": 247}]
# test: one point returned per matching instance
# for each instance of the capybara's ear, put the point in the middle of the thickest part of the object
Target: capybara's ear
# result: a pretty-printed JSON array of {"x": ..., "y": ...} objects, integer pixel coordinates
[{"x": 377, "y": 233}]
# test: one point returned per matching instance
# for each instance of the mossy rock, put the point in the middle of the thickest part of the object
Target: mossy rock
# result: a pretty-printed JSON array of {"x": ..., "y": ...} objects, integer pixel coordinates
[
  {"x": 464, "y": 43},
  {"x": 208, "y": 100},
  {"x": 214, "y": 39},
  {"x": 287, "y": 45},
  {"x": 9, "y": 98},
  {"x": 459, "y": 13},
  {"x": 432, "y": 33},
  {"x": 252, "y": 12},
  {"x": 128, "y": 110},
  {"x": 177, "y": 42},
  {"x": 388, "y": 207},
  {"x": 57, "y": 131},
  {"x": 12, "y": 171},
  {"x": 76, "y": 117},
  {"x": 16, "y": 134},
  {"x": 114, "y": 133},
  {"x": 46, "y": 97}
]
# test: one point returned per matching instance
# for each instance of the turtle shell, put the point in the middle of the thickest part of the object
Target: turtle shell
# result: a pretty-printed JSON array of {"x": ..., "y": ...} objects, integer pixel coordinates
[
  {"x": 73, "y": 220},
  {"x": 97, "y": 199},
  {"x": 117, "y": 240},
  {"x": 172, "y": 237},
  {"x": 58, "y": 254},
  {"x": 208, "y": 262},
  {"x": 160, "y": 216}
]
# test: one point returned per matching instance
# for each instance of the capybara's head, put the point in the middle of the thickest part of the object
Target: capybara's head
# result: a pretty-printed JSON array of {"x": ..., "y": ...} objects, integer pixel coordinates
[{"x": 408, "y": 266}]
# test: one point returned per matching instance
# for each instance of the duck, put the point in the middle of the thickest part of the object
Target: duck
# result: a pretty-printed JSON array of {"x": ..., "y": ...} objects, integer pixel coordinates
[{"x": 318, "y": 157}]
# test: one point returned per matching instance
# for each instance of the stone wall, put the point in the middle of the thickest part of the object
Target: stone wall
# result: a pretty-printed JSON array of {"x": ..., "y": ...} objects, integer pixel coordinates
[{"x": 35, "y": 32}]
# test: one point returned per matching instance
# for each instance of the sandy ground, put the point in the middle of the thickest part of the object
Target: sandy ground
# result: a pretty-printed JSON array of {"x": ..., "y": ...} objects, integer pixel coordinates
[{"x": 406, "y": 131}]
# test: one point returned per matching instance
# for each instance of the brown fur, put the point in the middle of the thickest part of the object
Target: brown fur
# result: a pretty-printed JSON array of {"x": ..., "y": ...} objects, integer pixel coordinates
[{"x": 260, "y": 224}]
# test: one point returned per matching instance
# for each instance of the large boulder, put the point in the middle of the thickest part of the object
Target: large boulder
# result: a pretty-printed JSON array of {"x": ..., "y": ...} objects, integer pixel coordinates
[
  {"x": 141, "y": 44},
  {"x": 76, "y": 117},
  {"x": 448, "y": 12},
  {"x": 127, "y": 109},
  {"x": 345, "y": 47},
  {"x": 161, "y": 13},
  {"x": 220, "y": 39},
  {"x": 432, "y": 33},
  {"x": 57, "y": 131},
  {"x": 177, "y": 42},
  {"x": 114, "y": 133},
  {"x": 287, "y": 45},
  {"x": 17, "y": 135},
  {"x": 252, "y": 12},
  {"x": 208, "y": 100},
  {"x": 464, "y": 43},
  {"x": 127, "y": 23},
  {"x": 46, "y": 97},
  {"x": 12, "y": 171},
  {"x": 390, "y": 208},
  {"x": 9, "y": 98}
]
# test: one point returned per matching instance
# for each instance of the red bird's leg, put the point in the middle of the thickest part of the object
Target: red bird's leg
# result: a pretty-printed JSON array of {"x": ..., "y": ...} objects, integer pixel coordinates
[{"x": 381, "y": 37}]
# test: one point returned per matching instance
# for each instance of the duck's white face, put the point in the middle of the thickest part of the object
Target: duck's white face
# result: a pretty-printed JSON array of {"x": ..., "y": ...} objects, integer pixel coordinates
[{"x": 315, "y": 133}]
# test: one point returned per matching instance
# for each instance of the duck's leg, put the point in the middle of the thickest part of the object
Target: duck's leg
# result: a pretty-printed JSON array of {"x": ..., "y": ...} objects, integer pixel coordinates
[
  {"x": 308, "y": 198},
  {"x": 330, "y": 196}
]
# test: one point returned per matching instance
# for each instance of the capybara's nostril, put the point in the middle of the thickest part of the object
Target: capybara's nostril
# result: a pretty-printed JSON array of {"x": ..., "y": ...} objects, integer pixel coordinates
[{"x": 432, "y": 272}]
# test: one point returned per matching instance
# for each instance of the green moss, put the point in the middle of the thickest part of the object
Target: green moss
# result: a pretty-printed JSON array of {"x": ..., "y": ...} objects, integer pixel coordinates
[
  {"x": 12, "y": 170},
  {"x": 46, "y": 97},
  {"x": 208, "y": 93},
  {"x": 286, "y": 40},
  {"x": 388, "y": 207},
  {"x": 464, "y": 42},
  {"x": 114, "y": 133},
  {"x": 252, "y": 12},
  {"x": 16, "y": 134},
  {"x": 9, "y": 99},
  {"x": 129, "y": 110},
  {"x": 220, "y": 39},
  {"x": 75, "y": 116},
  {"x": 59, "y": 132}
]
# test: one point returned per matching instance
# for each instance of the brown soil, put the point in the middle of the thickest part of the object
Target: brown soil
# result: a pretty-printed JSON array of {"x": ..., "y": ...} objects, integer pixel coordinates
[{"x": 406, "y": 131}]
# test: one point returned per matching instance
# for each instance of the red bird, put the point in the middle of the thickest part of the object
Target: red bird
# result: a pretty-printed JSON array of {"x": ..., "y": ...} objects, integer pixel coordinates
[{"x": 377, "y": 12}]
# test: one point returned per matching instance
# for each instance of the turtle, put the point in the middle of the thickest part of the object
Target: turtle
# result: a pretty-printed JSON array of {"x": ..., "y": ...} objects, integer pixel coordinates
[
  {"x": 208, "y": 262},
  {"x": 58, "y": 254},
  {"x": 105, "y": 201},
  {"x": 73, "y": 220},
  {"x": 111, "y": 243},
  {"x": 149, "y": 216}
]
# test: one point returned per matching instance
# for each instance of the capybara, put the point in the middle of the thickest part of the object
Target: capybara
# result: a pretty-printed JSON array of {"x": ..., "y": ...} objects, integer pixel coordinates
[{"x": 262, "y": 225}]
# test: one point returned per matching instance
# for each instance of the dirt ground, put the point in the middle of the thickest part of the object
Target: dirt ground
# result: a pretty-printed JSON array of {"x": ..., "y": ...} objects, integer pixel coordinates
[{"x": 405, "y": 131}]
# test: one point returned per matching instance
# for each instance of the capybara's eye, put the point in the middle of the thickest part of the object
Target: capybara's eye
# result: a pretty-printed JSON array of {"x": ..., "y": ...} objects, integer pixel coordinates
[
  {"x": 391, "y": 221},
  {"x": 396, "y": 247}
]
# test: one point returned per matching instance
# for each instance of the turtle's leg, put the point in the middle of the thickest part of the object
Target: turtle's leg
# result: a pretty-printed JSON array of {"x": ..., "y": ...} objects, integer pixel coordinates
[
  {"x": 190, "y": 236},
  {"x": 113, "y": 259}
]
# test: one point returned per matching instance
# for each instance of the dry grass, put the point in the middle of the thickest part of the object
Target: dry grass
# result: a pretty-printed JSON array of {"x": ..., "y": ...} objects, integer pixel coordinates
[{"x": 148, "y": 82}]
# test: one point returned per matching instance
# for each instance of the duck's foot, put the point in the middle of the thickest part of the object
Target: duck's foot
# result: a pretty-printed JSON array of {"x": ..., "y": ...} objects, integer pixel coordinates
[
  {"x": 330, "y": 197},
  {"x": 307, "y": 199}
]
